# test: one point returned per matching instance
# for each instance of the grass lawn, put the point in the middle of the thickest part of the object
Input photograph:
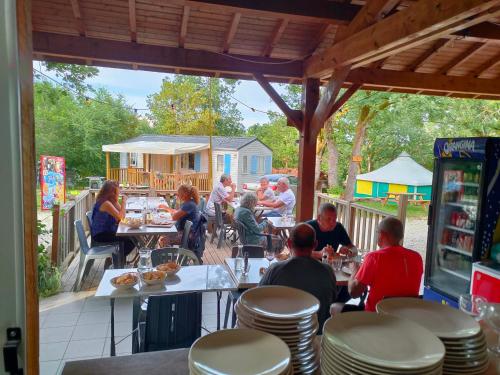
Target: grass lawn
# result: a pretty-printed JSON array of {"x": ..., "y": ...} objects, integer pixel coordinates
[{"x": 413, "y": 211}]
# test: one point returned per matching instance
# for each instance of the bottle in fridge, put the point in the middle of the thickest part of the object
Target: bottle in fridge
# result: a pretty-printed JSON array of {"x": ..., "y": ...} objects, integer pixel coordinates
[{"x": 463, "y": 214}]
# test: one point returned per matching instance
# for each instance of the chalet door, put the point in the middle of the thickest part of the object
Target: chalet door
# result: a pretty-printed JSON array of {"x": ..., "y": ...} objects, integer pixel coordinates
[{"x": 17, "y": 295}]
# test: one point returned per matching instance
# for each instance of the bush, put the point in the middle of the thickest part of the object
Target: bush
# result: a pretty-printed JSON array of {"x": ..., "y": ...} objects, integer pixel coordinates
[
  {"x": 49, "y": 276},
  {"x": 336, "y": 191}
]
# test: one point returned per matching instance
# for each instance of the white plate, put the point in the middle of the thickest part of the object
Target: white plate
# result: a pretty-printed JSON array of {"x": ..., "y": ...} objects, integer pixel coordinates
[
  {"x": 247, "y": 318},
  {"x": 282, "y": 322},
  {"x": 384, "y": 340},
  {"x": 240, "y": 351},
  {"x": 442, "y": 320},
  {"x": 280, "y": 302}
]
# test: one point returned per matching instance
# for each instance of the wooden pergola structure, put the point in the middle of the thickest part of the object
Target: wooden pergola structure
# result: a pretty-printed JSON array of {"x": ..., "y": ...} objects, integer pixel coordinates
[{"x": 430, "y": 47}]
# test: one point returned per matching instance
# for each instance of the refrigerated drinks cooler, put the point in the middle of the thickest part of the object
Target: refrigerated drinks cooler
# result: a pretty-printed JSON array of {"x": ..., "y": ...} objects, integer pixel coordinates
[{"x": 463, "y": 215}]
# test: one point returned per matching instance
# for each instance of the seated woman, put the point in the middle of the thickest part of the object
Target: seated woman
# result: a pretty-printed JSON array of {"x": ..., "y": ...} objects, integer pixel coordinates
[
  {"x": 188, "y": 210},
  {"x": 106, "y": 215},
  {"x": 253, "y": 230}
]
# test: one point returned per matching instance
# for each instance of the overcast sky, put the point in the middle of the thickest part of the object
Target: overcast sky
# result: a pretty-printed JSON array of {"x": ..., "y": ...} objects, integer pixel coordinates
[{"x": 135, "y": 86}]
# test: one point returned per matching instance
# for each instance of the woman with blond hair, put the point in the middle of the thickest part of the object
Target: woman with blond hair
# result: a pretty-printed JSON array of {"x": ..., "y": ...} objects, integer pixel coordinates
[{"x": 188, "y": 210}]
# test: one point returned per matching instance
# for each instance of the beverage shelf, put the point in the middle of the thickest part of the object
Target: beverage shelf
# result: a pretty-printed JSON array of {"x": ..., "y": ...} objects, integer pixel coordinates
[
  {"x": 458, "y": 229},
  {"x": 462, "y": 275},
  {"x": 456, "y": 250},
  {"x": 463, "y": 204}
]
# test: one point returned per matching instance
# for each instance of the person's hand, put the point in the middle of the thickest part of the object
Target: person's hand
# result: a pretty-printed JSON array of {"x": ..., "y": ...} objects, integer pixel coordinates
[
  {"x": 328, "y": 249},
  {"x": 233, "y": 186},
  {"x": 354, "y": 268},
  {"x": 124, "y": 198},
  {"x": 344, "y": 250}
]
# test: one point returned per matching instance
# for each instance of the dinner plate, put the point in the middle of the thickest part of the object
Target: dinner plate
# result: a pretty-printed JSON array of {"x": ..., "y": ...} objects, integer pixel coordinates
[
  {"x": 240, "y": 351},
  {"x": 442, "y": 320},
  {"x": 384, "y": 340},
  {"x": 278, "y": 330},
  {"x": 278, "y": 323},
  {"x": 280, "y": 302}
]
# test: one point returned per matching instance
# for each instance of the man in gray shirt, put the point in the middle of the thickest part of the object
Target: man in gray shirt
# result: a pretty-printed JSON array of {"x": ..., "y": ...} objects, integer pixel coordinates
[{"x": 304, "y": 272}]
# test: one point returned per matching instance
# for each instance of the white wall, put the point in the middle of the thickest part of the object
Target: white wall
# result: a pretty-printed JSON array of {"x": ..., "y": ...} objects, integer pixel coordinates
[
  {"x": 234, "y": 165},
  {"x": 254, "y": 148}
]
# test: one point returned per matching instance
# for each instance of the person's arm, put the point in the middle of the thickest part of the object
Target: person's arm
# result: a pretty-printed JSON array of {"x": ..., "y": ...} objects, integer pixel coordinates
[
  {"x": 267, "y": 278},
  {"x": 250, "y": 223},
  {"x": 275, "y": 204},
  {"x": 356, "y": 288},
  {"x": 362, "y": 276},
  {"x": 260, "y": 194},
  {"x": 230, "y": 196},
  {"x": 345, "y": 241},
  {"x": 177, "y": 214},
  {"x": 109, "y": 208}
]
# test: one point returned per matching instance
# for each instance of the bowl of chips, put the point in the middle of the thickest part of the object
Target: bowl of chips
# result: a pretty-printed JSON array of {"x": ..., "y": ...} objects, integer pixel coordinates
[
  {"x": 125, "y": 281},
  {"x": 133, "y": 222},
  {"x": 153, "y": 277},
  {"x": 170, "y": 268}
]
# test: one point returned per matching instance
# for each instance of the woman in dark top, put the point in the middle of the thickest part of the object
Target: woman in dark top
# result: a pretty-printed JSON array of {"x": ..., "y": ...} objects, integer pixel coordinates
[
  {"x": 188, "y": 210},
  {"x": 106, "y": 215}
]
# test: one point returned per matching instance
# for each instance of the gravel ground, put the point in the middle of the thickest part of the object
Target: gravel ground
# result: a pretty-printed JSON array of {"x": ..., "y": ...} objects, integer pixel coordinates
[{"x": 416, "y": 235}]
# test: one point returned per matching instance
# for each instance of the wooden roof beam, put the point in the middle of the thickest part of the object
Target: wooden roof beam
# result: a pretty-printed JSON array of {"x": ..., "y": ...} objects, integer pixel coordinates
[
  {"x": 343, "y": 99},
  {"x": 460, "y": 58},
  {"x": 279, "y": 28},
  {"x": 419, "y": 61},
  {"x": 487, "y": 65},
  {"x": 426, "y": 82},
  {"x": 184, "y": 26},
  {"x": 117, "y": 52},
  {"x": 132, "y": 19},
  {"x": 486, "y": 31},
  {"x": 294, "y": 116},
  {"x": 80, "y": 26},
  {"x": 320, "y": 36},
  {"x": 423, "y": 21},
  {"x": 231, "y": 32}
]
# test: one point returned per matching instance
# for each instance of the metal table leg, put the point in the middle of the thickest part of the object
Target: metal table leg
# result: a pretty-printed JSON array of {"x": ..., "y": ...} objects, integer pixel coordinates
[
  {"x": 112, "y": 349},
  {"x": 219, "y": 297}
]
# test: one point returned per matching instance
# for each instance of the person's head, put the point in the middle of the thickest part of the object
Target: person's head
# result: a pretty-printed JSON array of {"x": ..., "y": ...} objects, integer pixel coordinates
[
  {"x": 264, "y": 183},
  {"x": 110, "y": 190},
  {"x": 302, "y": 240},
  {"x": 225, "y": 179},
  {"x": 188, "y": 192},
  {"x": 327, "y": 217},
  {"x": 248, "y": 200},
  {"x": 390, "y": 232},
  {"x": 283, "y": 184}
]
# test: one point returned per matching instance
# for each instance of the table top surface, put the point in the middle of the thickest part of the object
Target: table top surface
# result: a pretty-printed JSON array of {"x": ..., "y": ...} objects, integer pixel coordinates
[
  {"x": 280, "y": 223},
  {"x": 254, "y": 276},
  {"x": 202, "y": 278},
  {"x": 145, "y": 230},
  {"x": 416, "y": 194}
]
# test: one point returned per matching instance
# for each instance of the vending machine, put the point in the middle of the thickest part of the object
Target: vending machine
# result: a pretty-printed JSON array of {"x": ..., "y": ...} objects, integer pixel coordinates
[{"x": 464, "y": 225}]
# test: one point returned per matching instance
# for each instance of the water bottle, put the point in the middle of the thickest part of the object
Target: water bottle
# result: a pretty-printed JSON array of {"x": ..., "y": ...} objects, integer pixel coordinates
[
  {"x": 324, "y": 258},
  {"x": 238, "y": 262},
  {"x": 246, "y": 266}
]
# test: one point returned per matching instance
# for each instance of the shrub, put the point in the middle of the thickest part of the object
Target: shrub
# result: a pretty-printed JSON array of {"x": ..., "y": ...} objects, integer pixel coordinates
[{"x": 49, "y": 276}]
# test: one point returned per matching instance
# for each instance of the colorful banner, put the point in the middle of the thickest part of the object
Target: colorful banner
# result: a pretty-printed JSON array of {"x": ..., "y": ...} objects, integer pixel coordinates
[{"x": 52, "y": 181}]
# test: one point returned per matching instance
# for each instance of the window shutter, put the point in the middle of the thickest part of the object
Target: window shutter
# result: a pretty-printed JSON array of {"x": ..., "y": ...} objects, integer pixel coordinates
[
  {"x": 268, "y": 164},
  {"x": 227, "y": 163},
  {"x": 197, "y": 162},
  {"x": 253, "y": 164}
]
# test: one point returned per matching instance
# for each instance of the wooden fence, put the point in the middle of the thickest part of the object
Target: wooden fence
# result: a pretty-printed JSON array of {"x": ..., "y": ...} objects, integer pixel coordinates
[
  {"x": 65, "y": 243},
  {"x": 361, "y": 222}
]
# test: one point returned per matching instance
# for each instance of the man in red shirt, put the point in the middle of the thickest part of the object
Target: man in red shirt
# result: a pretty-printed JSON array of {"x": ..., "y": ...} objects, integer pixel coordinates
[{"x": 392, "y": 271}]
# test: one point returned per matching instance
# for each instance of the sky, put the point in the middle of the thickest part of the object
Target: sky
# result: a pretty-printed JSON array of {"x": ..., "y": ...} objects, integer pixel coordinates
[{"x": 136, "y": 85}]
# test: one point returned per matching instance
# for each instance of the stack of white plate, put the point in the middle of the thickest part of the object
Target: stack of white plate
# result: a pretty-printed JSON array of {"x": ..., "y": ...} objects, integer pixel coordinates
[
  {"x": 465, "y": 342},
  {"x": 239, "y": 352},
  {"x": 288, "y": 313},
  {"x": 361, "y": 343}
]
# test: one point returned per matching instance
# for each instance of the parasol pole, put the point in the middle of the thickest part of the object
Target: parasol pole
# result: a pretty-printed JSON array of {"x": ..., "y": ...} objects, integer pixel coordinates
[{"x": 210, "y": 161}]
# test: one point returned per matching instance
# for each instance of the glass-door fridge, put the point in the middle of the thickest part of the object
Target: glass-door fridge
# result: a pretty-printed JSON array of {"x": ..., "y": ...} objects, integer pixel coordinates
[{"x": 463, "y": 214}]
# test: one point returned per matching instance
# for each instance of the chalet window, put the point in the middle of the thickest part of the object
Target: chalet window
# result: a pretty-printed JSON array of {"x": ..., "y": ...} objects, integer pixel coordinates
[
  {"x": 187, "y": 161},
  {"x": 133, "y": 159},
  {"x": 245, "y": 164},
  {"x": 220, "y": 163},
  {"x": 191, "y": 161}
]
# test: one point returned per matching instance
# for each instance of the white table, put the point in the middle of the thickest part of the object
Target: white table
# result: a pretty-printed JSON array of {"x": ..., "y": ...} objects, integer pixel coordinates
[
  {"x": 146, "y": 236},
  {"x": 282, "y": 226},
  {"x": 189, "y": 279},
  {"x": 253, "y": 278},
  {"x": 141, "y": 203}
]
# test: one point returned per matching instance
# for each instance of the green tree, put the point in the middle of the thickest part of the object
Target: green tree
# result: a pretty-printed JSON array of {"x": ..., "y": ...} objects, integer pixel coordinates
[{"x": 72, "y": 75}]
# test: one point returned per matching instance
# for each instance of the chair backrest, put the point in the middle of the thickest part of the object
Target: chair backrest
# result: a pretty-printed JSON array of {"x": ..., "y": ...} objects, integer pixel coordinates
[
  {"x": 84, "y": 246},
  {"x": 254, "y": 251},
  {"x": 218, "y": 215},
  {"x": 180, "y": 256},
  {"x": 240, "y": 228},
  {"x": 88, "y": 214},
  {"x": 172, "y": 321},
  {"x": 185, "y": 234}
]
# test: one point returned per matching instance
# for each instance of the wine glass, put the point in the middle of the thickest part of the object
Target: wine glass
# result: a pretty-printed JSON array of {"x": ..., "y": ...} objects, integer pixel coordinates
[
  {"x": 269, "y": 256},
  {"x": 492, "y": 317},
  {"x": 337, "y": 263},
  {"x": 472, "y": 305}
]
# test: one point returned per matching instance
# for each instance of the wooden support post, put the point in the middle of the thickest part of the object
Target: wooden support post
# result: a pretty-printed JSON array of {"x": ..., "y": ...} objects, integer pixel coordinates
[
  {"x": 108, "y": 166},
  {"x": 402, "y": 206},
  {"x": 55, "y": 235},
  {"x": 307, "y": 152}
]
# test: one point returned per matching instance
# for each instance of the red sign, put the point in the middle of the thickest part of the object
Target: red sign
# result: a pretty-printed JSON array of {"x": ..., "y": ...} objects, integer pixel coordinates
[{"x": 52, "y": 181}]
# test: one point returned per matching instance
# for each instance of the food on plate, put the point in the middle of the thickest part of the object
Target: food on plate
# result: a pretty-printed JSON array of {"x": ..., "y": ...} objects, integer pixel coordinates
[
  {"x": 153, "y": 275},
  {"x": 168, "y": 267},
  {"x": 262, "y": 270},
  {"x": 133, "y": 222},
  {"x": 282, "y": 256},
  {"x": 125, "y": 280}
]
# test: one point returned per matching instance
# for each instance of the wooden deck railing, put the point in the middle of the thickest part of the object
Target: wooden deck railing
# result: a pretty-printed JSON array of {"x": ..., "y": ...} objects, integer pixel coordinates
[
  {"x": 65, "y": 243},
  {"x": 361, "y": 222},
  {"x": 159, "y": 181}
]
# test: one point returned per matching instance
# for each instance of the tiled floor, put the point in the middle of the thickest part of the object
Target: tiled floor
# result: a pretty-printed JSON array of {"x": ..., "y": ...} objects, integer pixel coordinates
[{"x": 77, "y": 326}]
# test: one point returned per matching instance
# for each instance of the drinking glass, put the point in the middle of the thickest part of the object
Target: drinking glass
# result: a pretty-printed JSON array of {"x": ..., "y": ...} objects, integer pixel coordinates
[
  {"x": 144, "y": 260},
  {"x": 492, "y": 317},
  {"x": 246, "y": 271},
  {"x": 337, "y": 263},
  {"x": 472, "y": 305},
  {"x": 269, "y": 256}
]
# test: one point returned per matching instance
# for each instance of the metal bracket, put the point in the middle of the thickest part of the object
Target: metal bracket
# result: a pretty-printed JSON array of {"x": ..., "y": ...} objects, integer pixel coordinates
[{"x": 10, "y": 351}]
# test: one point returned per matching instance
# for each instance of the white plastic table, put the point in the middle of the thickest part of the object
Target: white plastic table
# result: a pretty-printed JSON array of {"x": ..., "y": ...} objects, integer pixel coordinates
[{"x": 146, "y": 236}]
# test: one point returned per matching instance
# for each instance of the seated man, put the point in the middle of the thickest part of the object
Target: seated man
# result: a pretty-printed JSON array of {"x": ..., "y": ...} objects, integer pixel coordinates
[
  {"x": 219, "y": 194},
  {"x": 392, "y": 271},
  {"x": 285, "y": 202},
  {"x": 330, "y": 234},
  {"x": 303, "y": 272},
  {"x": 264, "y": 192}
]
